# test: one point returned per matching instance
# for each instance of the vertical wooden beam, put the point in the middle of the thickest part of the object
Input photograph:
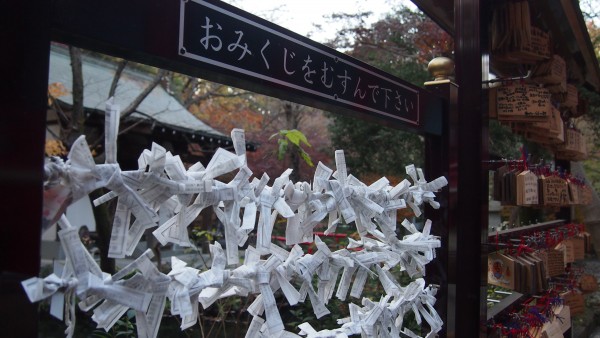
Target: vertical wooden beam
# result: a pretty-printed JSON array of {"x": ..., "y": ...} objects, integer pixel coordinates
[
  {"x": 24, "y": 32},
  {"x": 439, "y": 155},
  {"x": 472, "y": 208}
]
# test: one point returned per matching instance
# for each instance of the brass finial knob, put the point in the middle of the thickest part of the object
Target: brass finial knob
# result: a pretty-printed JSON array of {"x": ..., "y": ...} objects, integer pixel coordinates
[{"x": 441, "y": 68}]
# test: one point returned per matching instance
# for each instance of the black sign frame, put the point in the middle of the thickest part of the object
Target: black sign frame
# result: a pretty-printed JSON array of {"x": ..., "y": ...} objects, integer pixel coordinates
[
  {"x": 148, "y": 32},
  {"x": 210, "y": 33}
]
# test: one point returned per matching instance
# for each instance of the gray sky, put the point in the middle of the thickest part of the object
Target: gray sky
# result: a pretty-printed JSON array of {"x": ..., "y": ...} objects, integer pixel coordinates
[{"x": 300, "y": 15}]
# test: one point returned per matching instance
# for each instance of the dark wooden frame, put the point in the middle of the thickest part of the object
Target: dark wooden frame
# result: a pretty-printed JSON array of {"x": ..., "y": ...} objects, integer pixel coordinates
[{"x": 143, "y": 31}]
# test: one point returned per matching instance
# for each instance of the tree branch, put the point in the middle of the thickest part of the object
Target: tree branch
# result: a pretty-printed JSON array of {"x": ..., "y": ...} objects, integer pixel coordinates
[
  {"x": 187, "y": 90},
  {"x": 138, "y": 100},
  {"x": 113, "y": 86}
]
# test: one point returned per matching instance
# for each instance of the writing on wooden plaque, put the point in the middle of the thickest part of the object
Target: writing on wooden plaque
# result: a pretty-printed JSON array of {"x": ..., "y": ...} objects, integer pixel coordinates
[
  {"x": 523, "y": 103},
  {"x": 574, "y": 148},
  {"x": 553, "y": 71},
  {"x": 527, "y": 188},
  {"x": 555, "y": 191}
]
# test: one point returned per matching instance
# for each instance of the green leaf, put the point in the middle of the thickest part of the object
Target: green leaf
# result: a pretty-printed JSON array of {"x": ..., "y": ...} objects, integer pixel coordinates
[
  {"x": 296, "y": 136},
  {"x": 306, "y": 158}
]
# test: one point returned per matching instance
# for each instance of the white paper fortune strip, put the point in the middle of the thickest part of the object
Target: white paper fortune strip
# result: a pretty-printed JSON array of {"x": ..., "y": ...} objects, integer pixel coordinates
[{"x": 162, "y": 184}]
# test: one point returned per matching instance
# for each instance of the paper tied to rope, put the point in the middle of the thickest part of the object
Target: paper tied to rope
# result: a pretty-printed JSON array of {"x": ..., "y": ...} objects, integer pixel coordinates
[
  {"x": 269, "y": 276},
  {"x": 272, "y": 202},
  {"x": 385, "y": 318},
  {"x": 422, "y": 191},
  {"x": 143, "y": 292},
  {"x": 188, "y": 282},
  {"x": 67, "y": 182},
  {"x": 60, "y": 290},
  {"x": 162, "y": 186},
  {"x": 212, "y": 193},
  {"x": 41, "y": 288},
  {"x": 417, "y": 249}
]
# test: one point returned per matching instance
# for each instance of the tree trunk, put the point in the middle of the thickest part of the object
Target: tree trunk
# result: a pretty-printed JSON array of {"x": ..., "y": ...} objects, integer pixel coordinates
[
  {"x": 291, "y": 121},
  {"x": 103, "y": 229},
  {"x": 103, "y": 213},
  {"x": 77, "y": 114}
]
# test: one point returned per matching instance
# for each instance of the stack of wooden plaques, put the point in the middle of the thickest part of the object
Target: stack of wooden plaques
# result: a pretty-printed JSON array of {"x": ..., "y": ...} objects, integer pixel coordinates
[
  {"x": 536, "y": 107},
  {"x": 523, "y": 273},
  {"x": 514, "y": 39},
  {"x": 516, "y": 186}
]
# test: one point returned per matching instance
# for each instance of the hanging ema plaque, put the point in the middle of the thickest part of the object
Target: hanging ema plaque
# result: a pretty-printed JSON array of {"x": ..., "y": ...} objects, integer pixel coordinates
[
  {"x": 525, "y": 103},
  {"x": 236, "y": 42},
  {"x": 555, "y": 191}
]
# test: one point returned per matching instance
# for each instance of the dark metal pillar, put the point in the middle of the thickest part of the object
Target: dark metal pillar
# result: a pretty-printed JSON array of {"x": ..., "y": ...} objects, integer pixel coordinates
[
  {"x": 471, "y": 211},
  {"x": 24, "y": 32},
  {"x": 440, "y": 158}
]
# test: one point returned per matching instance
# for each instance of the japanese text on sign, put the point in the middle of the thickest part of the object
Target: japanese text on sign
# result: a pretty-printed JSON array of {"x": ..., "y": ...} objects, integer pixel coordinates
[{"x": 228, "y": 40}]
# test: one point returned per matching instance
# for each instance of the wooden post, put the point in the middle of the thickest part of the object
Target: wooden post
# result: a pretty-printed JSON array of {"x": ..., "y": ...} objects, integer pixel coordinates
[
  {"x": 24, "y": 31},
  {"x": 438, "y": 157},
  {"x": 471, "y": 151}
]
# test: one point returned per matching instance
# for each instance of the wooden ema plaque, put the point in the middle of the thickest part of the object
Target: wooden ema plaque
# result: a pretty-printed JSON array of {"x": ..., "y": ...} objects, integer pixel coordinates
[
  {"x": 585, "y": 195},
  {"x": 588, "y": 283},
  {"x": 522, "y": 102},
  {"x": 554, "y": 191},
  {"x": 573, "y": 140},
  {"x": 578, "y": 247},
  {"x": 549, "y": 131},
  {"x": 554, "y": 261},
  {"x": 572, "y": 98},
  {"x": 493, "y": 103},
  {"x": 553, "y": 71},
  {"x": 573, "y": 249},
  {"x": 527, "y": 188},
  {"x": 501, "y": 270},
  {"x": 573, "y": 192},
  {"x": 575, "y": 301},
  {"x": 539, "y": 46},
  {"x": 574, "y": 148},
  {"x": 536, "y": 49},
  {"x": 579, "y": 194}
]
